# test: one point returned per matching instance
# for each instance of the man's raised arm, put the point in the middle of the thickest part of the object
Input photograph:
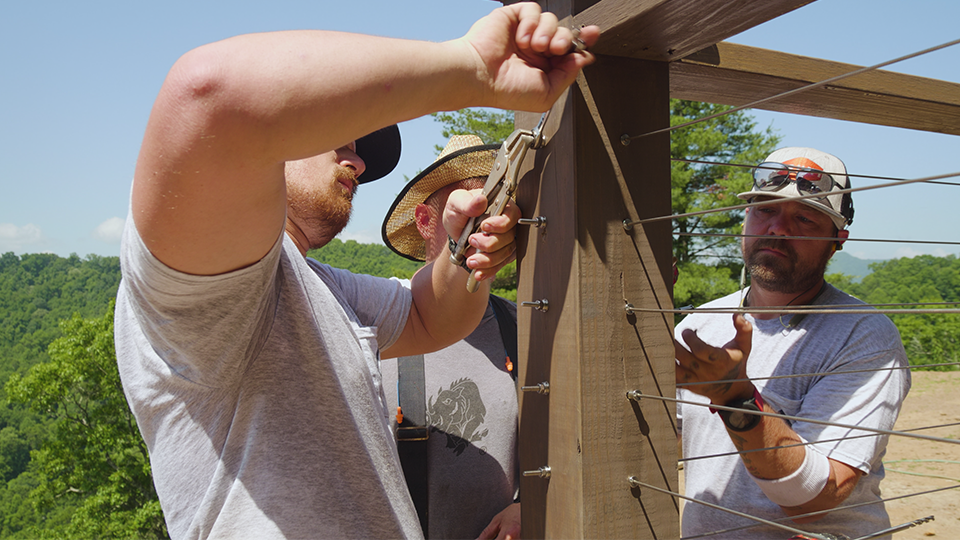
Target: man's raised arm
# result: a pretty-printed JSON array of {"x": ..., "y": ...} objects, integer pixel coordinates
[{"x": 209, "y": 193}]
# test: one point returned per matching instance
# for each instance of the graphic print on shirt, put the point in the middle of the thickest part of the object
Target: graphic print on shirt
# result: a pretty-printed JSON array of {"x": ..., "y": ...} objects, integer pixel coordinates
[{"x": 458, "y": 412}]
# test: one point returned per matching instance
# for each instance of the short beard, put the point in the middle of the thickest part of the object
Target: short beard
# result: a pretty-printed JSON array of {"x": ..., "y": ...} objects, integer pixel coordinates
[
  {"x": 790, "y": 276},
  {"x": 323, "y": 214}
]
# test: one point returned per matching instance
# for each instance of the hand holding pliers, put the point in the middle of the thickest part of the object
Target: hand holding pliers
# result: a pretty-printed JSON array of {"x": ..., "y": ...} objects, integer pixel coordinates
[{"x": 500, "y": 187}]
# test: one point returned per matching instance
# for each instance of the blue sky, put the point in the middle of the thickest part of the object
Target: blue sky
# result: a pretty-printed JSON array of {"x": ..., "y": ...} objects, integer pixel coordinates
[{"x": 78, "y": 81}]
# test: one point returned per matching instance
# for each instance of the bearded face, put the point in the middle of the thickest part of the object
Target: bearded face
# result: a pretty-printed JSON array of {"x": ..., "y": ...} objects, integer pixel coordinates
[
  {"x": 787, "y": 272},
  {"x": 779, "y": 261},
  {"x": 319, "y": 199}
]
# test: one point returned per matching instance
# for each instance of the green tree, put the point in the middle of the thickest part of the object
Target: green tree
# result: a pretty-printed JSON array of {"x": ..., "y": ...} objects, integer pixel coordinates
[
  {"x": 710, "y": 266},
  {"x": 733, "y": 138},
  {"x": 94, "y": 459},
  {"x": 370, "y": 259},
  {"x": 492, "y": 126},
  {"x": 928, "y": 339}
]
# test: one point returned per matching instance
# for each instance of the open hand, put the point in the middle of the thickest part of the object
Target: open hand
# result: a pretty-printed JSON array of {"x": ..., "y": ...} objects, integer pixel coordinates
[{"x": 719, "y": 367}]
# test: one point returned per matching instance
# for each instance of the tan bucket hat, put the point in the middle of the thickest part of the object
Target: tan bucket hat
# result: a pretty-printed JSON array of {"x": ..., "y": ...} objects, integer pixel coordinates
[{"x": 465, "y": 156}]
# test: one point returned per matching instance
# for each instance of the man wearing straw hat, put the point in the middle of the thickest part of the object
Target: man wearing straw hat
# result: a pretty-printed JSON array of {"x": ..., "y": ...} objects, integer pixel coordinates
[
  {"x": 471, "y": 479},
  {"x": 828, "y": 371},
  {"x": 251, "y": 370}
]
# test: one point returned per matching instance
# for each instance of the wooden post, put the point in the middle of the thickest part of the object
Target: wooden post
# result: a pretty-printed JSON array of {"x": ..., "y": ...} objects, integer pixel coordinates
[{"x": 586, "y": 266}]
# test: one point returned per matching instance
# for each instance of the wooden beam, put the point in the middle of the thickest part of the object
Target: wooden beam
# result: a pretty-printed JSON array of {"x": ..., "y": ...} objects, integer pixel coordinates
[
  {"x": 667, "y": 30},
  {"x": 733, "y": 74},
  {"x": 585, "y": 345}
]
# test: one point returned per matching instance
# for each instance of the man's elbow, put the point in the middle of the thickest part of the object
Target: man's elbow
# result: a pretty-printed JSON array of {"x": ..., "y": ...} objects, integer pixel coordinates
[
  {"x": 199, "y": 92},
  {"x": 843, "y": 480}
]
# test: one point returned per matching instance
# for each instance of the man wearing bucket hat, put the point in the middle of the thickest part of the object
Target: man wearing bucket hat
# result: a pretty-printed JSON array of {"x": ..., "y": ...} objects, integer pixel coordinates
[
  {"x": 253, "y": 371},
  {"x": 470, "y": 395},
  {"x": 835, "y": 369}
]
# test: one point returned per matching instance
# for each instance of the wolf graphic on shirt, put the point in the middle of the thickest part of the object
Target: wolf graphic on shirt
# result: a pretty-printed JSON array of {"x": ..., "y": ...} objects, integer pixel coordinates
[{"x": 458, "y": 412}]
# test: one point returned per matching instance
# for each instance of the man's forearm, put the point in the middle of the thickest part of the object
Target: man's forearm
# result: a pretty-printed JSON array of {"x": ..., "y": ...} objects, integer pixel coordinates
[
  {"x": 443, "y": 311},
  {"x": 452, "y": 312},
  {"x": 787, "y": 475}
]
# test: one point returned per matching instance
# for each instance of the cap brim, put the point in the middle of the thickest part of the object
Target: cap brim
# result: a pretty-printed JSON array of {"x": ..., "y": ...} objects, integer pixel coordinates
[
  {"x": 838, "y": 219},
  {"x": 380, "y": 152}
]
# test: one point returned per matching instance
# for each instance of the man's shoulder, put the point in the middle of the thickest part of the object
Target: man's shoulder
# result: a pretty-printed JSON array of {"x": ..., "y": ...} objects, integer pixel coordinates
[
  {"x": 835, "y": 296},
  {"x": 842, "y": 300}
]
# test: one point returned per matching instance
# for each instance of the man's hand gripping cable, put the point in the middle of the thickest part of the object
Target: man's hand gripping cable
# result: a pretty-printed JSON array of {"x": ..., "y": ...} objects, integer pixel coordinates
[{"x": 500, "y": 187}]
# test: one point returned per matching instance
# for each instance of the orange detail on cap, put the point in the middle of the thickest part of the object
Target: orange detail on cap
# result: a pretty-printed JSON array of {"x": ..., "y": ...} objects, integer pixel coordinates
[
  {"x": 509, "y": 364},
  {"x": 399, "y": 415},
  {"x": 803, "y": 162}
]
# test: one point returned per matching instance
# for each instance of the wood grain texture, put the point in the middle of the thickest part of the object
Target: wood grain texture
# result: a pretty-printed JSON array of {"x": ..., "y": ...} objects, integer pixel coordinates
[
  {"x": 586, "y": 346},
  {"x": 733, "y": 74},
  {"x": 665, "y": 30}
]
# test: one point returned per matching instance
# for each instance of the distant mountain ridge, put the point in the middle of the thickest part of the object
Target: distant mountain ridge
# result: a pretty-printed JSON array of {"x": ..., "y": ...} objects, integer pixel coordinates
[{"x": 844, "y": 263}]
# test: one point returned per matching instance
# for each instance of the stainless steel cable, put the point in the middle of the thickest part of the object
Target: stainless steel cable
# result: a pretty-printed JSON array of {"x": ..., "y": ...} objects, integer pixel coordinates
[
  {"x": 749, "y": 166},
  {"x": 898, "y": 528},
  {"x": 821, "y": 374},
  {"x": 625, "y": 139},
  {"x": 628, "y": 224},
  {"x": 640, "y": 395},
  {"x": 864, "y": 309},
  {"x": 637, "y": 483},
  {"x": 808, "y": 443},
  {"x": 819, "y": 238},
  {"x": 820, "y": 512}
]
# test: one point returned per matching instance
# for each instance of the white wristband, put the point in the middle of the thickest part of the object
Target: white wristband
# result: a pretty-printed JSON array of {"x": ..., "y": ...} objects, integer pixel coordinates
[{"x": 800, "y": 486}]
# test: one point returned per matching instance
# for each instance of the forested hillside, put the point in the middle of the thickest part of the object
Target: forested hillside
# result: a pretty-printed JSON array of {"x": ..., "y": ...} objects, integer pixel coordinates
[
  {"x": 928, "y": 339},
  {"x": 37, "y": 292},
  {"x": 379, "y": 260},
  {"x": 371, "y": 259},
  {"x": 71, "y": 460}
]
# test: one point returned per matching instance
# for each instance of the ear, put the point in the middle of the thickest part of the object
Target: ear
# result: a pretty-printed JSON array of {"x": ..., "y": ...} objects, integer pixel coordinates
[
  {"x": 841, "y": 238},
  {"x": 423, "y": 215}
]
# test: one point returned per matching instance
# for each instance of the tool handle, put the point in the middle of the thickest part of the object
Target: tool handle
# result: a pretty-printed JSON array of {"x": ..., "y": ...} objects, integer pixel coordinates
[
  {"x": 457, "y": 252},
  {"x": 472, "y": 283}
]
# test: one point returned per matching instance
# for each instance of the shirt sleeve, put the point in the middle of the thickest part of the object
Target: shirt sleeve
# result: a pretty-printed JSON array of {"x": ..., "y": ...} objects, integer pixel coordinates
[
  {"x": 381, "y": 303},
  {"x": 201, "y": 326},
  {"x": 872, "y": 363}
]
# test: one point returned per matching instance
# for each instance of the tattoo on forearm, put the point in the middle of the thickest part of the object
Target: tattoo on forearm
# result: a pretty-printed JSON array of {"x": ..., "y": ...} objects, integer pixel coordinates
[{"x": 738, "y": 441}]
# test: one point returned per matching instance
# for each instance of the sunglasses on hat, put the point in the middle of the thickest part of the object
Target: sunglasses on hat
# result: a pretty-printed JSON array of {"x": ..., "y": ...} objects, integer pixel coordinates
[{"x": 772, "y": 176}]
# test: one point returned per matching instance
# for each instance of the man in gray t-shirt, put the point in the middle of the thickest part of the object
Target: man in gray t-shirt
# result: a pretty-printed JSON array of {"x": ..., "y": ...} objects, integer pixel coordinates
[
  {"x": 472, "y": 475},
  {"x": 253, "y": 371},
  {"x": 837, "y": 369}
]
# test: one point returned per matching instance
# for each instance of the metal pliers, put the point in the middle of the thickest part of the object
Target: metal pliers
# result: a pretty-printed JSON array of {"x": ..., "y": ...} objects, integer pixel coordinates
[{"x": 500, "y": 187}]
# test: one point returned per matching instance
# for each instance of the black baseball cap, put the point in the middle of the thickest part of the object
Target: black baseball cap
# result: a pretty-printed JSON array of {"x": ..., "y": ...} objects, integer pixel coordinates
[{"x": 380, "y": 152}]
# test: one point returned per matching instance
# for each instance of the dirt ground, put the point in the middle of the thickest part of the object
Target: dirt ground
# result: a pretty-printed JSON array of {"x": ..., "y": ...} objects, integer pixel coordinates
[{"x": 917, "y": 465}]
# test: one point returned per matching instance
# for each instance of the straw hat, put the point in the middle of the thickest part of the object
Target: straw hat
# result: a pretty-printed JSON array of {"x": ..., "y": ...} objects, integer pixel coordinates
[{"x": 465, "y": 156}]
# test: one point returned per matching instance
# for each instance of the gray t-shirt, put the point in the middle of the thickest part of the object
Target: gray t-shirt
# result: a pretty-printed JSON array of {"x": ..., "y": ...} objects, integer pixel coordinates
[
  {"x": 257, "y": 392},
  {"x": 471, "y": 403},
  {"x": 820, "y": 344}
]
